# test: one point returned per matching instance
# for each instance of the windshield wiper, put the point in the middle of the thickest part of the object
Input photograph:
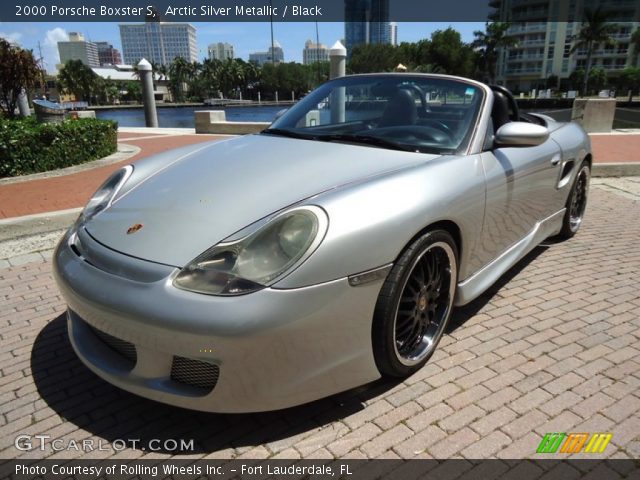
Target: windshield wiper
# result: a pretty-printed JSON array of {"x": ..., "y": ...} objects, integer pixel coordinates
[
  {"x": 342, "y": 137},
  {"x": 283, "y": 132},
  {"x": 367, "y": 140}
]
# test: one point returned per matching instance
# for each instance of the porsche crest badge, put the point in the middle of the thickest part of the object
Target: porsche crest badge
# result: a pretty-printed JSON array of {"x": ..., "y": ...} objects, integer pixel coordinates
[{"x": 134, "y": 228}]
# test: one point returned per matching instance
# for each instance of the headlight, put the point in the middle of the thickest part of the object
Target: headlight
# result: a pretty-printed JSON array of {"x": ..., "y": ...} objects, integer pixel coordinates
[
  {"x": 259, "y": 259},
  {"x": 105, "y": 194}
]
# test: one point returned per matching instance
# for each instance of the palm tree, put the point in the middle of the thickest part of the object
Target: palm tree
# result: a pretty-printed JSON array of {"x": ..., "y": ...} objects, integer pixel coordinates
[
  {"x": 178, "y": 75},
  {"x": 490, "y": 42},
  {"x": 231, "y": 76},
  {"x": 77, "y": 78},
  {"x": 595, "y": 30},
  {"x": 209, "y": 73}
]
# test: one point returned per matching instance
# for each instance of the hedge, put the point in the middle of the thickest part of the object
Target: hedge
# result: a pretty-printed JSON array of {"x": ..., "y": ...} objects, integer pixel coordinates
[{"x": 27, "y": 146}]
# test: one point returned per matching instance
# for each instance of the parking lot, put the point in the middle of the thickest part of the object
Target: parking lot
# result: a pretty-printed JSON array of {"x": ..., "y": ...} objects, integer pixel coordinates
[{"x": 554, "y": 346}]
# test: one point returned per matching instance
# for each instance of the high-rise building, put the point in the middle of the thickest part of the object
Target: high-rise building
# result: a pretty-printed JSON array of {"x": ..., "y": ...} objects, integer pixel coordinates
[
  {"x": 274, "y": 54},
  {"x": 366, "y": 21},
  {"x": 158, "y": 42},
  {"x": 314, "y": 52},
  {"x": 107, "y": 54},
  {"x": 220, "y": 51},
  {"x": 544, "y": 45},
  {"x": 77, "y": 48},
  {"x": 393, "y": 27}
]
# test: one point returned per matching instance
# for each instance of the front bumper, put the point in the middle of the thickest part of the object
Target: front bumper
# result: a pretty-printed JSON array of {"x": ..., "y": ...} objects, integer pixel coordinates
[{"x": 270, "y": 349}]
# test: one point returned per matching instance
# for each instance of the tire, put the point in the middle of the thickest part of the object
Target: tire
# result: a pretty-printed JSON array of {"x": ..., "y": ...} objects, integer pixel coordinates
[
  {"x": 576, "y": 203},
  {"x": 414, "y": 304}
]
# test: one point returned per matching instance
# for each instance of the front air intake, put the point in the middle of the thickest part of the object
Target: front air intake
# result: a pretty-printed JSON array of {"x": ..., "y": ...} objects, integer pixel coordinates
[{"x": 195, "y": 373}]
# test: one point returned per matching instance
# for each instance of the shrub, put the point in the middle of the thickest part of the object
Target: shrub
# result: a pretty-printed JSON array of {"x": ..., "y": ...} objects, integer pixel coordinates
[{"x": 27, "y": 146}]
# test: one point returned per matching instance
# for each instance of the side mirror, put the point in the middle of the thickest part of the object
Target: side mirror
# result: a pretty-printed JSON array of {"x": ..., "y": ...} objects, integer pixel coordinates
[
  {"x": 521, "y": 134},
  {"x": 280, "y": 113}
]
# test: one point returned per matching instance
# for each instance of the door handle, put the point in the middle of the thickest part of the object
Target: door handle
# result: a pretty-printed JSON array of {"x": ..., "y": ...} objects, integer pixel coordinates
[{"x": 555, "y": 160}]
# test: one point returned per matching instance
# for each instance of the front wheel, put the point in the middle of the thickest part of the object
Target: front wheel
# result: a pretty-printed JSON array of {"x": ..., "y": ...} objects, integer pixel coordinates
[
  {"x": 576, "y": 203},
  {"x": 414, "y": 304}
]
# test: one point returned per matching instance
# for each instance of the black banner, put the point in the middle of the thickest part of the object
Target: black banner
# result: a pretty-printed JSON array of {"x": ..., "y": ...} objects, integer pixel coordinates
[
  {"x": 292, "y": 10},
  {"x": 316, "y": 469},
  {"x": 231, "y": 10}
]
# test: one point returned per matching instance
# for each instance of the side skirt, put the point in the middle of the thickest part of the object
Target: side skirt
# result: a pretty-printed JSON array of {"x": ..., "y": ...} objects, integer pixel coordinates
[{"x": 473, "y": 286}]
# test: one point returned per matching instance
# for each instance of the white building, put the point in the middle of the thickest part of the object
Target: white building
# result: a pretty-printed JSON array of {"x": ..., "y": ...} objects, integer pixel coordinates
[
  {"x": 158, "y": 42},
  {"x": 393, "y": 26},
  {"x": 544, "y": 47},
  {"x": 220, "y": 51},
  {"x": 126, "y": 73},
  {"x": 275, "y": 54},
  {"x": 77, "y": 48},
  {"x": 314, "y": 53}
]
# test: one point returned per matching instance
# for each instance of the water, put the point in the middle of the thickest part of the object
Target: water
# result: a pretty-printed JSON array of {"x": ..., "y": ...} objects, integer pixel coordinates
[{"x": 184, "y": 117}]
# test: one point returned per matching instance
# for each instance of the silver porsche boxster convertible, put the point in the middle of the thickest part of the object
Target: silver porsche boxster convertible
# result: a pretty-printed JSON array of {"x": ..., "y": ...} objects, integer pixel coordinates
[{"x": 329, "y": 250}]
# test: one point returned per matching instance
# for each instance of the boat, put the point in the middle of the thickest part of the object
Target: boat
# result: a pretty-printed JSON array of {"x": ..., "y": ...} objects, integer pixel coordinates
[{"x": 49, "y": 112}]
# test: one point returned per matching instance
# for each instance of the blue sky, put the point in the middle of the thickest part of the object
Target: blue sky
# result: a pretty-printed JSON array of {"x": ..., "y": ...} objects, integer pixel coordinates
[{"x": 246, "y": 37}]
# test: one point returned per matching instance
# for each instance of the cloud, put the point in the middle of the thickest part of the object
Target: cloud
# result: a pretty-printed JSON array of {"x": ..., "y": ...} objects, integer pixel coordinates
[
  {"x": 13, "y": 37},
  {"x": 50, "y": 53}
]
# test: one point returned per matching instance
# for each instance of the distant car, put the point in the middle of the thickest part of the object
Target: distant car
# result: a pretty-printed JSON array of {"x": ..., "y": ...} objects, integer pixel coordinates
[{"x": 327, "y": 251}]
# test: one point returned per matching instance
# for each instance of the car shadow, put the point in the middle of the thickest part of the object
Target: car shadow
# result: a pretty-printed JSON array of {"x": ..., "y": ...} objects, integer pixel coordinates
[
  {"x": 462, "y": 314},
  {"x": 79, "y": 396}
]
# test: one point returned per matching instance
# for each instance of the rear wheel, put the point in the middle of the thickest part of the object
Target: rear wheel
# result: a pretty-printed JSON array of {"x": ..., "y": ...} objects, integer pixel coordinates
[
  {"x": 576, "y": 203},
  {"x": 415, "y": 304}
]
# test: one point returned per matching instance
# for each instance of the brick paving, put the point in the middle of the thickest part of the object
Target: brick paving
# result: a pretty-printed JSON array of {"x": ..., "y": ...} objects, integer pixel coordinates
[{"x": 499, "y": 381}]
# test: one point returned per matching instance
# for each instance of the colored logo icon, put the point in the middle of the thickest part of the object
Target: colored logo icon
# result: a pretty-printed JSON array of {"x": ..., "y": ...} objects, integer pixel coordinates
[{"x": 574, "y": 443}]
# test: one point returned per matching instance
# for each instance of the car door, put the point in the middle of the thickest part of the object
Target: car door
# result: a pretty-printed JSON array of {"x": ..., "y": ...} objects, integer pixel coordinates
[{"x": 520, "y": 185}]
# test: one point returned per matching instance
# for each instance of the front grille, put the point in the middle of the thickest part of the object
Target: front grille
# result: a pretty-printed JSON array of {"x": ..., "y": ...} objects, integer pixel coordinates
[
  {"x": 202, "y": 375},
  {"x": 124, "y": 348}
]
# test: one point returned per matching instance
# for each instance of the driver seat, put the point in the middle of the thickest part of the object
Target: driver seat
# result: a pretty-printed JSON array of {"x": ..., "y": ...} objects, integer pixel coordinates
[
  {"x": 500, "y": 112},
  {"x": 400, "y": 110}
]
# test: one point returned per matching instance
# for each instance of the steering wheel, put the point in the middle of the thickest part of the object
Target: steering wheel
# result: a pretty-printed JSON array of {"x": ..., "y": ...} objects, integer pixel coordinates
[{"x": 437, "y": 124}]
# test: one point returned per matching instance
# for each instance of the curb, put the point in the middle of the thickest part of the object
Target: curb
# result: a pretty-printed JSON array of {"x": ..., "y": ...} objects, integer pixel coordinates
[
  {"x": 616, "y": 169},
  {"x": 124, "y": 152},
  {"x": 32, "y": 237}
]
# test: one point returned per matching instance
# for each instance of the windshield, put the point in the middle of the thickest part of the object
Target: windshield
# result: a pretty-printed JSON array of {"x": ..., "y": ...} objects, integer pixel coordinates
[{"x": 403, "y": 112}]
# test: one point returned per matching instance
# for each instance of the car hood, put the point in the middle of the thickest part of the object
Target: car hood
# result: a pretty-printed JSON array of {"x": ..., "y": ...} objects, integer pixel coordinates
[{"x": 207, "y": 195}]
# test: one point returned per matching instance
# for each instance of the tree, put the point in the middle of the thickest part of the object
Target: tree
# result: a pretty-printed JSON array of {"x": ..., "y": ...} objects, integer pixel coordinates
[
  {"x": 18, "y": 70},
  {"x": 489, "y": 43},
  {"x": 598, "y": 78},
  {"x": 373, "y": 58},
  {"x": 78, "y": 79},
  {"x": 629, "y": 79},
  {"x": 595, "y": 30},
  {"x": 447, "y": 51},
  {"x": 552, "y": 81},
  {"x": 576, "y": 79},
  {"x": 133, "y": 91},
  {"x": 179, "y": 73}
]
